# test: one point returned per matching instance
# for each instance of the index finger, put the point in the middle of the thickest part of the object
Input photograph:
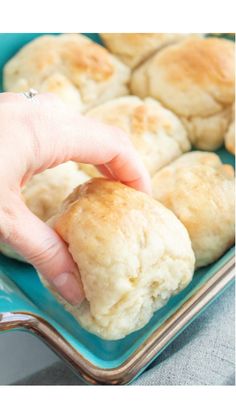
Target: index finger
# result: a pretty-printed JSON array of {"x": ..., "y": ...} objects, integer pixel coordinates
[{"x": 67, "y": 135}]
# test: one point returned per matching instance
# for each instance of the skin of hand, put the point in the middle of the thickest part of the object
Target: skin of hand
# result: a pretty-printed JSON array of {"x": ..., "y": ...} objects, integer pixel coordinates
[{"x": 39, "y": 133}]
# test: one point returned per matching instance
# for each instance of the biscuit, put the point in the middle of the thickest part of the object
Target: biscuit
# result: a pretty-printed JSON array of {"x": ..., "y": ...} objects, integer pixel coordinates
[
  {"x": 44, "y": 193},
  {"x": 81, "y": 72},
  {"x": 133, "y": 48},
  {"x": 230, "y": 136},
  {"x": 195, "y": 79},
  {"x": 199, "y": 189},
  {"x": 132, "y": 254},
  {"x": 156, "y": 133}
]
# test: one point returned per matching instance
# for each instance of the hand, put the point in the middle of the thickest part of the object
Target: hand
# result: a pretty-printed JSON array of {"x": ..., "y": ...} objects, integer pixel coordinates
[{"x": 39, "y": 133}]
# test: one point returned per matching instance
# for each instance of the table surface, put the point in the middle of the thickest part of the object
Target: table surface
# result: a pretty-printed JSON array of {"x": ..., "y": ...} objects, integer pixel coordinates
[{"x": 202, "y": 355}]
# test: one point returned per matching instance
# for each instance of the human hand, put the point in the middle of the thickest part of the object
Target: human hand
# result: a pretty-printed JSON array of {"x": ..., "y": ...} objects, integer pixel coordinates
[{"x": 39, "y": 133}]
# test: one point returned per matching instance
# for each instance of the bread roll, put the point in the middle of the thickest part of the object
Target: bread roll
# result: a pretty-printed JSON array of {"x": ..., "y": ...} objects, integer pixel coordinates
[
  {"x": 230, "y": 135},
  {"x": 196, "y": 157},
  {"x": 132, "y": 253},
  {"x": 44, "y": 193},
  {"x": 80, "y": 71},
  {"x": 156, "y": 133},
  {"x": 133, "y": 48},
  {"x": 195, "y": 79},
  {"x": 199, "y": 189}
]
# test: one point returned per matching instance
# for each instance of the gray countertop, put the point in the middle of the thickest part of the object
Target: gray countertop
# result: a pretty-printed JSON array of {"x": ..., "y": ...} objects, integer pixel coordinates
[{"x": 202, "y": 355}]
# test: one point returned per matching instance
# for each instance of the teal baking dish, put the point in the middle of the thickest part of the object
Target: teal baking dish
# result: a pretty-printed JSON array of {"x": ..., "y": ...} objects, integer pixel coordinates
[{"x": 26, "y": 304}]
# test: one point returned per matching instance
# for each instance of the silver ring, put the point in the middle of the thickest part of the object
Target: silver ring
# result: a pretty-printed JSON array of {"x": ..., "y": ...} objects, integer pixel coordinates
[{"x": 30, "y": 94}]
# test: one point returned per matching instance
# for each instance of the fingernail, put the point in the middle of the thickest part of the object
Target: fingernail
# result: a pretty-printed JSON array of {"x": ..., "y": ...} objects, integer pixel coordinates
[{"x": 70, "y": 287}]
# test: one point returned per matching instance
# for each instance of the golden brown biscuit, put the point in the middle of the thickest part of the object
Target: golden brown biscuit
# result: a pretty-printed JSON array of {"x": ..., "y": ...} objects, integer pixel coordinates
[
  {"x": 156, "y": 133},
  {"x": 44, "y": 193},
  {"x": 132, "y": 253},
  {"x": 196, "y": 157},
  {"x": 195, "y": 79},
  {"x": 230, "y": 135},
  {"x": 133, "y": 48},
  {"x": 199, "y": 189},
  {"x": 80, "y": 71}
]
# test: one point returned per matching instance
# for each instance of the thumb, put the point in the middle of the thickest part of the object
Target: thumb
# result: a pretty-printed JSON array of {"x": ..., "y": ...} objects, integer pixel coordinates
[{"x": 43, "y": 248}]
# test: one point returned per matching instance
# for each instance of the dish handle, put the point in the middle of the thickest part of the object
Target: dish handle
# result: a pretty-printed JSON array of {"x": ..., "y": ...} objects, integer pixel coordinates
[{"x": 13, "y": 303}]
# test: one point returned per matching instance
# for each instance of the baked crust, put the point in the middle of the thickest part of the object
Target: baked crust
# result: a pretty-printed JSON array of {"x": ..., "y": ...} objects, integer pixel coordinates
[
  {"x": 133, "y": 48},
  {"x": 132, "y": 253},
  {"x": 199, "y": 189},
  {"x": 195, "y": 79},
  {"x": 80, "y": 71},
  {"x": 156, "y": 133}
]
